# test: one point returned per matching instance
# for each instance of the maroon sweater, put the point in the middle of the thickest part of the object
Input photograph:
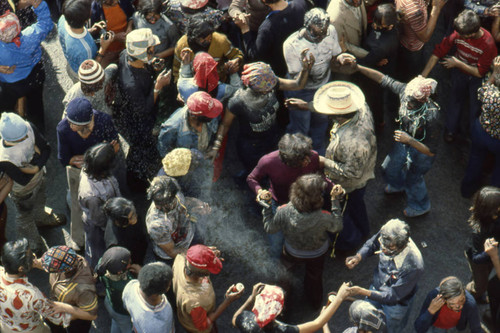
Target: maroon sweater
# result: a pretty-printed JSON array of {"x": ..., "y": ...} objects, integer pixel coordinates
[
  {"x": 279, "y": 174},
  {"x": 478, "y": 52}
]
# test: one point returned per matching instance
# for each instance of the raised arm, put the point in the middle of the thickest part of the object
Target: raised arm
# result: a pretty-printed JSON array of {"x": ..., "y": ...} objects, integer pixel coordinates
[{"x": 425, "y": 34}]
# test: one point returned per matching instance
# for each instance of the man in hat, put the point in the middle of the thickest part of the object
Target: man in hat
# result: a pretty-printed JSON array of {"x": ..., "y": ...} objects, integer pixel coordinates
[
  {"x": 351, "y": 154},
  {"x": 146, "y": 302},
  {"x": 137, "y": 115},
  {"x": 82, "y": 128},
  {"x": 95, "y": 84},
  {"x": 400, "y": 267},
  {"x": 24, "y": 302},
  {"x": 23, "y": 155},
  {"x": 320, "y": 38},
  {"x": 195, "y": 296},
  {"x": 21, "y": 69},
  {"x": 71, "y": 282},
  {"x": 192, "y": 126}
]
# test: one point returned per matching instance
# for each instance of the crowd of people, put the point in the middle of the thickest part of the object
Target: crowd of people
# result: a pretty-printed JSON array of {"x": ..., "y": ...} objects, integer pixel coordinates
[{"x": 299, "y": 90}]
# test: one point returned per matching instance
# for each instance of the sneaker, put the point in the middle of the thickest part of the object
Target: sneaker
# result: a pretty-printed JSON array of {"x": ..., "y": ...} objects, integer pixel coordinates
[
  {"x": 410, "y": 212},
  {"x": 53, "y": 220},
  {"x": 388, "y": 189}
]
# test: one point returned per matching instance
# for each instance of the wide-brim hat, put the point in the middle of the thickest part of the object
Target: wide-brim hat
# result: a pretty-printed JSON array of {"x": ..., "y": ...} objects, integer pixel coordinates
[
  {"x": 338, "y": 97},
  {"x": 138, "y": 41}
]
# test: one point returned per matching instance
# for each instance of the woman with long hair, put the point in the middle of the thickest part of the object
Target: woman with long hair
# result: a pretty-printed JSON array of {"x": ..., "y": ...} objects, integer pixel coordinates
[{"x": 97, "y": 185}]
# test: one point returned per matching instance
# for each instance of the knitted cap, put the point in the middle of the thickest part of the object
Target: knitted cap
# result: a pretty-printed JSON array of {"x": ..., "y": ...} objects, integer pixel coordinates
[
  {"x": 12, "y": 127},
  {"x": 177, "y": 162},
  {"x": 79, "y": 111},
  {"x": 90, "y": 72}
]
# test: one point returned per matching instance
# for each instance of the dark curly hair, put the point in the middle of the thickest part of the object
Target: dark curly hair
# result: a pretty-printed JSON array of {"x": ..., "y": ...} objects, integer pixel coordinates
[
  {"x": 98, "y": 161},
  {"x": 15, "y": 255},
  {"x": 294, "y": 148},
  {"x": 150, "y": 6},
  {"x": 155, "y": 278},
  {"x": 198, "y": 26},
  {"x": 118, "y": 209},
  {"x": 163, "y": 190},
  {"x": 306, "y": 193},
  {"x": 485, "y": 205}
]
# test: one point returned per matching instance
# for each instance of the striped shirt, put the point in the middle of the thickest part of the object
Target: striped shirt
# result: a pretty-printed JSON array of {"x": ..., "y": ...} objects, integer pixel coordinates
[
  {"x": 414, "y": 20},
  {"x": 77, "y": 290},
  {"x": 478, "y": 52}
]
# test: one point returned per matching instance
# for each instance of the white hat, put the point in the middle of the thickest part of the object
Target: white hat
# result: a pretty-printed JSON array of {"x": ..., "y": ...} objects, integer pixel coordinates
[
  {"x": 138, "y": 42},
  {"x": 339, "y": 97}
]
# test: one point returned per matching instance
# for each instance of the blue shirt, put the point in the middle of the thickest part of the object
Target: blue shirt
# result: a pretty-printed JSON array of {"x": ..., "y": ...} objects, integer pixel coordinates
[
  {"x": 29, "y": 53},
  {"x": 175, "y": 132},
  {"x": 76, "y": 47},
  {"x": 469, "y": 314},
  {"x": 395, "y": 278},
  {"x": 70, "y": 143}
]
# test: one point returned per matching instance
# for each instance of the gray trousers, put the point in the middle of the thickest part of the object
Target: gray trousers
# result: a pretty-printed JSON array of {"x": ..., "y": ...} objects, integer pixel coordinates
[
  {"x": 31, "y": 212},
  {"x": 77, "y": 232}
]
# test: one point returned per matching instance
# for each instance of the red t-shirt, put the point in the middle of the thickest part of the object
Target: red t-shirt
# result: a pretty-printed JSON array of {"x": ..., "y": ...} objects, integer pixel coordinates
[
  {"x": 478, "y": 52},
  {"x": 447, "y": 318}
]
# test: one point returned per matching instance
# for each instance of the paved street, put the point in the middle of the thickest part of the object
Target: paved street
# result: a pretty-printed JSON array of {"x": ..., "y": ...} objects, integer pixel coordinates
[{"x": 236, "y": 230}]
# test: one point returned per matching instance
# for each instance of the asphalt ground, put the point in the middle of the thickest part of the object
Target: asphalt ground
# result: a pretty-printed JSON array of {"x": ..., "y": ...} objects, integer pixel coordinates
[{"x": 235, "y": 227}]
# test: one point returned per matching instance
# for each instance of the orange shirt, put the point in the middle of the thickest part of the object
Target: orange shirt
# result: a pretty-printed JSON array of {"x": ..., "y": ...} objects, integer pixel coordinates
[{"x": 116, "y": 21}]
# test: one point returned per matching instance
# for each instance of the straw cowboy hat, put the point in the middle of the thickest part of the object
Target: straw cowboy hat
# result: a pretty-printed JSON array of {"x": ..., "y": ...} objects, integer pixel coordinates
[{"x": 337, "y": 98}]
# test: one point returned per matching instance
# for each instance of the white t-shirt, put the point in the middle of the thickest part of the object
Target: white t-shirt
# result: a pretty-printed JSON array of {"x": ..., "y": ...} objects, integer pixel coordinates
[
  {"x": 146, "y": 318},
  {"x": 323, "y": 53}
]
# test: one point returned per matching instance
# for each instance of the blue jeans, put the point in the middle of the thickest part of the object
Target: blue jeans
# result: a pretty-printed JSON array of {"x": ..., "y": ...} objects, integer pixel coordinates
[
  {"x": 396, "y": 316},
  {"x": 462, "y": 85},
  {"x": 434, "y": 329},
  {"x": 120, "y": 323},
  {"x": 404, "y": 169},
  {"x": 309, "y": 123},
  {"x": 355, "y": 222},
  {"x": 277, "y": 239},
  {"x": 482, "y": 143}
]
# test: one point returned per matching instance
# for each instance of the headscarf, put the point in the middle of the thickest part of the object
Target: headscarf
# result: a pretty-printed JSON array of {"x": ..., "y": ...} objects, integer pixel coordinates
[
  {"x": 367, "y": 317},
  {"x": 10, "y": 29},
  {"x": 259, "y": 77},
  {"x": 205, "y": 71},
  {"x": 420, "y": 88},
  {"x": 114, "y": 260},
  {"x": 268, "y": 304},
  {"x": 59, "y": 259},
  {"x": 202, "y": 104}
]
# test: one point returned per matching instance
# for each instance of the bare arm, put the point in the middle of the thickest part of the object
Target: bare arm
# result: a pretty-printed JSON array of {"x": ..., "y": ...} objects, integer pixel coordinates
[
  {"x": 371, "y": 73},
  {"x": 322, "y": 319},
  {"x": 405, "y": 138},
  {"x": 166, "y": 53},
  {"x": 7, "y": 183},
  {"x": 229, "y": 298},
  {"x": 170, "y": 249},
  {"x": 301, "y": 78},
  {"x": 426, "y": 34},
  {"x": 430, "y": 65}
]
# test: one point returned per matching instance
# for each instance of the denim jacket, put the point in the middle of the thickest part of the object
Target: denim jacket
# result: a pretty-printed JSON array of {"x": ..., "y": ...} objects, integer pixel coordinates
[
  {"x": 395, "y": 278},
  {"x": 175, "y": 132}
]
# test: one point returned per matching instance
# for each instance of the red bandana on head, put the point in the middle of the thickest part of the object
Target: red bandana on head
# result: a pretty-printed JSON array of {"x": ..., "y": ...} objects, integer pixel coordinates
[
  {"x": 10, "y": 29},
  {"x": 205, "y": 67}
]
